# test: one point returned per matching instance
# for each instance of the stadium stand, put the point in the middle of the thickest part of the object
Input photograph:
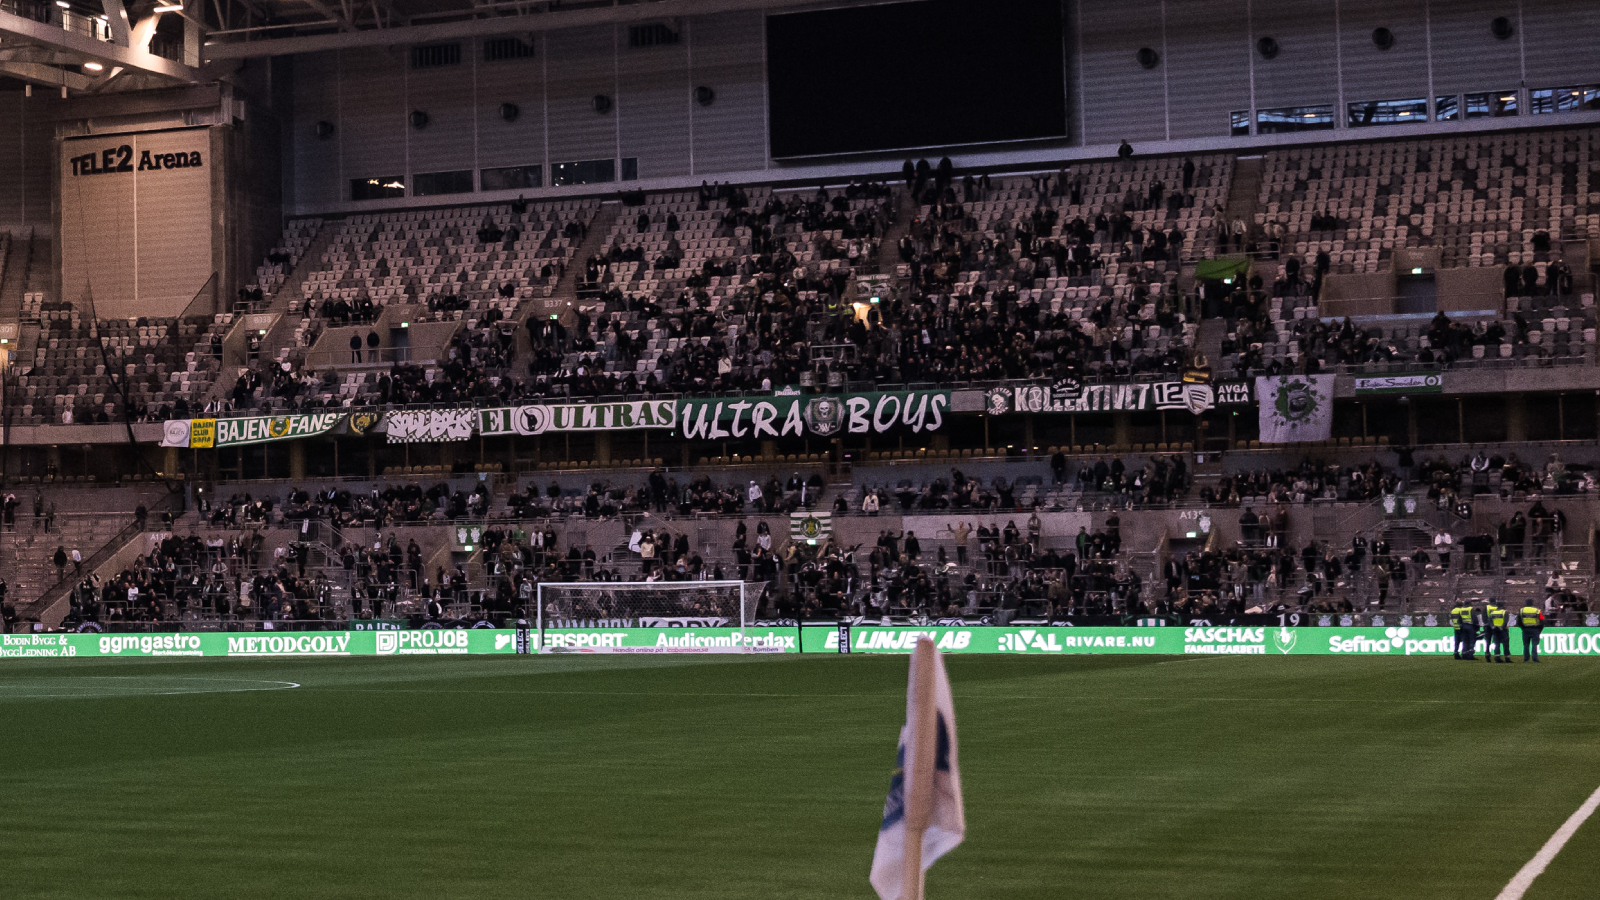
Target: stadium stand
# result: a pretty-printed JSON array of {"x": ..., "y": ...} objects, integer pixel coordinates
[
  {"x": 1095, "y": 272},
  {"x": 87, "y": 370}
]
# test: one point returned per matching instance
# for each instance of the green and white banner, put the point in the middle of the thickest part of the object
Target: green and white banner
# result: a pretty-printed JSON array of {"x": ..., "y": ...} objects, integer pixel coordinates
[
  {"x": 259, "y": 430},
  {"x": 538, "y": 418},
  {"x": 1173, "y": 640},
  {"x": 1411, "y": 383},
  {"x": 412, "y": 642},
  {"x": 1295, "y": 408},
  {"x": 1208, "y": 641},
  {"x": 812, "y": 527},
  {"x": 822, "y": 415},
  {"x": 208, "y": 433}
]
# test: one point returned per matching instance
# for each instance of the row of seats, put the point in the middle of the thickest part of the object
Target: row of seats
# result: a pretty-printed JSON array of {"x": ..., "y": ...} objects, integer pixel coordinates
[{"x": 1480, "y": 199}]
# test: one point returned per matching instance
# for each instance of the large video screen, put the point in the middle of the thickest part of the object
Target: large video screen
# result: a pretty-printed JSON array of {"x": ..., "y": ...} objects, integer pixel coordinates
[{"x": 935, "y": 73}]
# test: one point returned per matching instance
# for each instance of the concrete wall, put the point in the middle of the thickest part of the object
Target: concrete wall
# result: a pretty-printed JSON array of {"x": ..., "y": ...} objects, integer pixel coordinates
[
  {"x": 27, "y": 142},
  {"x": 1471, "y": 288},
  {"x": 1209, "y": 68},
  {"x": 248, "y": 187}
]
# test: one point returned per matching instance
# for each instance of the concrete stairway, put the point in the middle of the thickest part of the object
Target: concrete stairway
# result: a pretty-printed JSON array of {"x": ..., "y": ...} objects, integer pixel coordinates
[
  {"x": 25, "y": 553},
  {"x": 293, "y": 288},
  {"x": 1208, "y": 340},
  {"x": 566, "y": 293},
  {"x": 37, "y": 274},
  {"x": 1244, "y": 193},
  {"x": 905, "y": 214},
  {"x": 13, "y": 277}
]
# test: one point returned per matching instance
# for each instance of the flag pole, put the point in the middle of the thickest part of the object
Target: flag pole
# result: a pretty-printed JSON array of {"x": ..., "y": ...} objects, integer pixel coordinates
[{"x": 922, "y": 742}]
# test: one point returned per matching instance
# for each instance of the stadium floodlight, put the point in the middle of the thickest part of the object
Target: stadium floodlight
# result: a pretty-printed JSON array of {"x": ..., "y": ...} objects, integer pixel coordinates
[{"x": 645, "y": 604}]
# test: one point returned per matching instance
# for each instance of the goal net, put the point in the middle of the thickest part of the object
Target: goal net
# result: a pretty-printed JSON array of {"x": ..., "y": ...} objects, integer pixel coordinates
[{"x": 647, "y": 604}]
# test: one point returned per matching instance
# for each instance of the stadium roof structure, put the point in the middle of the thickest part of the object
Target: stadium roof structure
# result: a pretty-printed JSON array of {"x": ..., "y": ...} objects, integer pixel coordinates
[
  {"x": 98, "y": 46},
  {"x": 102, "y": 46}
]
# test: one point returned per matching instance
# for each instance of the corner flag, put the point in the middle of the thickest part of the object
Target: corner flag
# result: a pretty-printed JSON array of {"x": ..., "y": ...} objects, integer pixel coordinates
[{"x": 922, "y": 818}]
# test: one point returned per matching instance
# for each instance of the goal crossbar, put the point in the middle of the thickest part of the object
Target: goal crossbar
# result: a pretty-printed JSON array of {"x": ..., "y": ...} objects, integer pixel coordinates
[{"x": 639, "y": 603}]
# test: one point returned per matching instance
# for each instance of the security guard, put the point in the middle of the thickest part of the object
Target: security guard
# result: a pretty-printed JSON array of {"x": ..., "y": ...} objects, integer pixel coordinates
[
  {"x": 1458, "y": 621},
  {"x": 1497, "y": 646},
  {"x": 1532, "y": 621},
  {"x": 1476, "y": 621}
]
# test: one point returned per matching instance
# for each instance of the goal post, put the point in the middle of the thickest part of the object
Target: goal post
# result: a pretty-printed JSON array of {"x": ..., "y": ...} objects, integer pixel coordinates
[{"x": 644, "y": 604}]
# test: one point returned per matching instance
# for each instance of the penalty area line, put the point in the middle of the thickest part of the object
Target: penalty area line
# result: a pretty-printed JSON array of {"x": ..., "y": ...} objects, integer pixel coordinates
[{"x": 1524, "y": 878}]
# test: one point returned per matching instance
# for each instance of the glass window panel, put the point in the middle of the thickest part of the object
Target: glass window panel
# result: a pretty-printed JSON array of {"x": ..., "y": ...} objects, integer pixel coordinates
[
  {"x": 1294, "y": 118},
  {"x": 513, "y": 178},
  {"x": 430, "y": 183},
  {"x": 1387, "y": 112},
  {"x": 383, "y": 187},
  {"x": 592, "y": 171}
]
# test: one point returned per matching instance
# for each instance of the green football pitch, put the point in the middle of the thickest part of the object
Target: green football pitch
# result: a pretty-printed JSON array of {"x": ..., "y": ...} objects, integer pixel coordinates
[{"x": 753, "y": 777}]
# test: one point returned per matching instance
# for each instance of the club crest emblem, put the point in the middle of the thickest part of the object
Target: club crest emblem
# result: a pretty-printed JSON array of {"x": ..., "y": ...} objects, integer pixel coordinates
[{"x": 824, "y": 415}]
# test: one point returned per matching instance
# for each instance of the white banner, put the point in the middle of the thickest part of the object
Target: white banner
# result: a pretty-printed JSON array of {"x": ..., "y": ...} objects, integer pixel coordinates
[
  {"x": 1295, "y": 408},
  {"x": 413, "y": 426},
  {"x": 175, "y": 433}
]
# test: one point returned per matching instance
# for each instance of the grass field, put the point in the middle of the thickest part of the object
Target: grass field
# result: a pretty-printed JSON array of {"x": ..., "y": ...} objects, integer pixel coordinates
[{"x": 628, "y": 777}]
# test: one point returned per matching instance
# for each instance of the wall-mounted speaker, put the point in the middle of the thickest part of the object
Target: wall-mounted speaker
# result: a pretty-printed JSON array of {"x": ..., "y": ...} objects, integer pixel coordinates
[
  {"x": 602, "y": 104},
  {"x": 1148, "y": 58},
  {"x": 323, "y": 129},
  {"x": 1382, "y": 38},
  {"x": 509, "y": 112},
  {"x": 419, "y": 119},
  {"x": 1267, "y": 47},
  {"x": 704, "y": 95}
]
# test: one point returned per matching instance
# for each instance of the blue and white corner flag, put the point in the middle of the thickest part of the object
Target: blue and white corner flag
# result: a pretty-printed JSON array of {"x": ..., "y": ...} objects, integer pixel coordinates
[{"x": 922, "y": 818}]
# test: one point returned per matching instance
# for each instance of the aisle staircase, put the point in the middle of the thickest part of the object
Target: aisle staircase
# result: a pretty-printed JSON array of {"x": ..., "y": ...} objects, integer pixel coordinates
[
  {"x": 1244, "y": 193},
  {"x": 25, "y": 557},
  {"x": 13, "y": 278},
  {"x": 565, "y": 294},
  {"x": 905, "y": 216},
  {"x": 288, "y": 303}
]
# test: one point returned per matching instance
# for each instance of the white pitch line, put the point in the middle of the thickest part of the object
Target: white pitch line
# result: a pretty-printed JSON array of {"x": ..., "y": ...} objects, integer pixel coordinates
[{"x": 1524, "y": 878}]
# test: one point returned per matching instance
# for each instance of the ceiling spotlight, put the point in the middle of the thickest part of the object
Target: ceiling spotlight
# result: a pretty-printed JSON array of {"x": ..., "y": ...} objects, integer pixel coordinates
[{"x": 93, "y": 66}]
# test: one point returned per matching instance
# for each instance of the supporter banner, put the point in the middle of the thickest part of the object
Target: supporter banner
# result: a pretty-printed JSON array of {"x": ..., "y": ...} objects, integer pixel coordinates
[
  {"x": 175, "y": 433},
  {"x": 434, "y": 425},
  {"x": 202, "y": 434},
  {"x": 1070, "y": 396},
  {"x": 821, "y": 415},
  {"x": 540, "y": 418},
  {"x": 810, "y": 527},
  {"x": 1295, "y": 408},
  {"x": 259, "y": 430},
  {"x": 1414, "y": 383},
  {"x": 411, "y": 642}
]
